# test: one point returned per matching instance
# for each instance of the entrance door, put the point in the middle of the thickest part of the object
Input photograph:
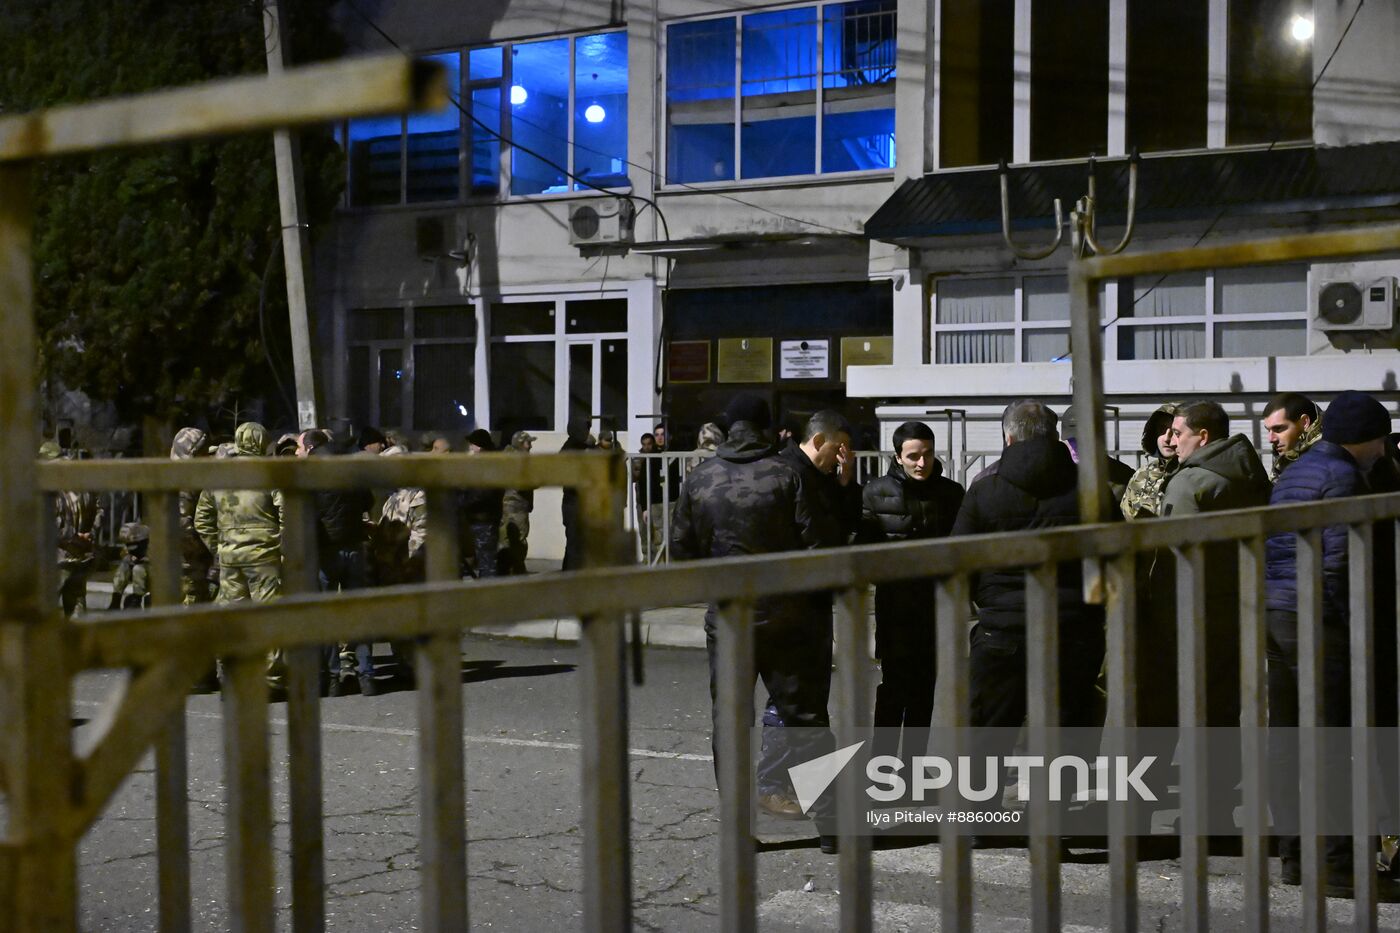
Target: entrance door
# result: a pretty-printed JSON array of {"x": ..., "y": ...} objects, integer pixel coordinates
[{"x": 598, "y": 382}]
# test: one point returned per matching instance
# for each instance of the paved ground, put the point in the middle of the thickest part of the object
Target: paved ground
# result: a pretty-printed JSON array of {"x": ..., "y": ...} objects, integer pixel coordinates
[{"x": 522, "y": 769}]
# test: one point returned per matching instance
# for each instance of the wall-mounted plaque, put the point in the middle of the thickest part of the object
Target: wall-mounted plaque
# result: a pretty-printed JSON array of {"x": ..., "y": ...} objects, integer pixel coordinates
[
  {"x": 804, "y": 359},
  {"x": 746, "y": 359},
  {"x": 865, "y": 351},
  {"x": 688, "y": 361}
]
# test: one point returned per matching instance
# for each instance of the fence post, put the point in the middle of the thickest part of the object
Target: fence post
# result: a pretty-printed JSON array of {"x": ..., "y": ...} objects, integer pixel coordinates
[
  {"x": 36, "y": 751},
  {"x": 853, "y": 716}
]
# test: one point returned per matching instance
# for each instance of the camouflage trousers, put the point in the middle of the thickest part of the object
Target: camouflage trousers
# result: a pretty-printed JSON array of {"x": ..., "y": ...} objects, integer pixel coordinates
[
  {"x": 261, "y": 583},
  {"x": 72, "y": 589}
]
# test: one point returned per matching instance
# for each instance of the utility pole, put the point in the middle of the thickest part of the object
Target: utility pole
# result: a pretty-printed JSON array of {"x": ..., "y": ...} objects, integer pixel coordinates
[{"x": 295, "y": 239}]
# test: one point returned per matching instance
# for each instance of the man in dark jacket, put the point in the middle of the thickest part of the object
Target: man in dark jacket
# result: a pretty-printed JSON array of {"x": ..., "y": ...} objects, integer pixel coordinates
[
  {"x": 913, "y": 501},
  {"x": 1353, "y": 441},
  {"x": 828, "y": 469},
  {"x": 746, "y": 500},
  {"x": 576, "y": 442},
  {"x": 479, "y": 514},
  {"x": 1035, "y": 486},
  {"x": 1294, "y": 424}
]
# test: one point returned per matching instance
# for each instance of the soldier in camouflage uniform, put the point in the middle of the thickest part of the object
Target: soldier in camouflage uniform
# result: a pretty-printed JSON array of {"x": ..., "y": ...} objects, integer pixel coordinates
[
  {"x": 396, "y": 554},
  {"x": 134, "y": 571},
  {"x": 516, "y": 507},
  {"x": 746, "y": 500},
  {"x": 196, "y": 563},
  {"x": 77, "y": 515},
  {"x": 243, "y": 529},
  {"x": 1143, "y": 498}
]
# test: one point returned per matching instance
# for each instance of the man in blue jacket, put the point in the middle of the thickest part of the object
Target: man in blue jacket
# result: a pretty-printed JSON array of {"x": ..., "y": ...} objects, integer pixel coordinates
[{"x": 1354, "y": 429}]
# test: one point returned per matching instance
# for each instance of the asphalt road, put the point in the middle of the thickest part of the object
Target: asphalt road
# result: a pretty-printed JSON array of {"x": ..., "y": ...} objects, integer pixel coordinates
[{"x": 523, "y": 766}]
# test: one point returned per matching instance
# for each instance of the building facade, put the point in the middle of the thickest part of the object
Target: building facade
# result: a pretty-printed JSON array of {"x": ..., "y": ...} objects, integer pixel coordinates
[{"x": 810, "y": 192}]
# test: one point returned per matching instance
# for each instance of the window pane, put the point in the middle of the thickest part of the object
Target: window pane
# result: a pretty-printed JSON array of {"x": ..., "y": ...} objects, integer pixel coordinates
[
  {"x": 614, "y": 384},
  {"x": 1069, "y": 78},
  {"x": 700, "y": 100},
  {"x": 975, "y": 301},
  {"x": 522, "y": 318},
  {"x": 444, "y": 322},
  {"x": 391, "y": 388},
  {"x": 1269, "y": 92},
  {"x": 600, "y": 110},
  {"x": 1170, "y": 296},
  {"x": 375, "y": 160},
  {"x": 598, "y": 316},
  {"x": 858, "y": 64},
  {"x": 1045, "y": 346},
  {"x": 1162, "y": 342},
  {"x": 976, "y": 82},
  {"x": 1167, "y": 74},
  {"x": 484, "y": 64},
  {"x": 444, "y": 387},
  {"x": 434, "y": 142},
  {"x": 1047, "y": 298},
  {"x": 1262, "y": 290},
  {"x": 1261, "y": 338},
  {"x": 981, "y": 346},
  {"x": 522, "y": 387},
  {"x": 359, "y": 376},
  {"x": 581, "y": 381},
  {"x": 376, "y": 324},
  {"x": 539, "y": 112},
  {"x": 779, "y": 56},
  {"x": 485, "y": 140}
]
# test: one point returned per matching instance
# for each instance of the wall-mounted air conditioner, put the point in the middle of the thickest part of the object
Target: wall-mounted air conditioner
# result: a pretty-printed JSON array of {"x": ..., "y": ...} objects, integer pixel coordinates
[
  {"x": 1347, "y": 305},
  {"x": 601, "y": 220}
]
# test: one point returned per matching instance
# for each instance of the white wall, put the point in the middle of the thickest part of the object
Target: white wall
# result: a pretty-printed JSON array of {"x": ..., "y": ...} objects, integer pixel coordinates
[{"x": 1358, "y": 99}]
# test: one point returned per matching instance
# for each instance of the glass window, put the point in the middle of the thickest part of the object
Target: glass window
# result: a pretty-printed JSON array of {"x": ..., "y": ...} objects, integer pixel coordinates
[
  {"x": 484, "y": 103},
  {"x": 976, "y": 82},
  {"x": 358, "y": 378},
  {"x": 1167, "y": 74},
  {"x": 1261, "y": 338},
  {"x": 522, "y": 386},
  {"x": 391, "y": 379},
  {"x": 1045, "y": 346},
  {"x": 1069, "y": 78},
  {"x": 613, "y": 383},
  {"x": 444, "y": 386},
  {"x": 978, "y": 346},
  {"x": 1170, "y": 296},
  {"x": 700, "y": 61},
  {"x": 444, "y": 322},
  {"x": 1262, "y": 290},
  {"x": 1162, "y": 342},
  {"x": 376, "y": 160},
  {"x": 433, "y": 143},
  {"x": 1047, "y": 298},
  {"x": 779, "y": 64},
  {"x": 858, "y": 66},
  {"x": 976, "y": 301},
  {"x": 1269, "y": 86},
  {"x": 596, "y": 316},
  {"x": 484, "y": 64},
  {"x": 539, "y": 112},
  {"x": 600, "y": 110},
  {"x": 376, "y": 324},
  {"x": 581, "y": 381},
  {"x": 522, "y": 318}
]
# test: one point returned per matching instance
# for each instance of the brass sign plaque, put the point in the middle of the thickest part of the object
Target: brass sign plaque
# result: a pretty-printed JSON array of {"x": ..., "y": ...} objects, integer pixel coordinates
[
  {"x": 865, "y": 351},
  {"x": 746, "y": 359}
]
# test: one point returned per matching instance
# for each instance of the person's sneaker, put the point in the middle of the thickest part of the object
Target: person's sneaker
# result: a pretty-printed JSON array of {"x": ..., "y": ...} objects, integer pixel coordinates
[
  {"x": 782, "y": 806},
  {"x": 830, "y": 845},
  {"x": 1290, "y": 870},
  {"x": 368, "y": 686}
]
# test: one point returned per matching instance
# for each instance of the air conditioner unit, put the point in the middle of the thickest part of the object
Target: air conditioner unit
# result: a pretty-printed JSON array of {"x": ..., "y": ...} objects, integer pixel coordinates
[
  {"x": 1356, "y": 305},
  {"x": 601, "y": 220}
]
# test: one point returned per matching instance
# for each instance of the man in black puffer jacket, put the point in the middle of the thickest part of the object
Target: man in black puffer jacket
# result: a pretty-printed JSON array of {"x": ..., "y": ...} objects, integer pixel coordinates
[
  {"x": 913, "y": 501},
  {"x": 1035, "y": 486}
]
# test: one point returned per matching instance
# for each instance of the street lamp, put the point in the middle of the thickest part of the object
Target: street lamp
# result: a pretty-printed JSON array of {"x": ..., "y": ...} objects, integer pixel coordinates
[{"x": 1301, "y": 28}]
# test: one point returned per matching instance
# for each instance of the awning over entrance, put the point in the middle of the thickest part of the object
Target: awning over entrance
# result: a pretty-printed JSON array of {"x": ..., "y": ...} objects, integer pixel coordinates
[{"x": 1284, "y": 180}]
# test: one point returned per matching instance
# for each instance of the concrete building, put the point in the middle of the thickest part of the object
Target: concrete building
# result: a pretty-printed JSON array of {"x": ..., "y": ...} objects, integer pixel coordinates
[{"x": 810, "y": 192}]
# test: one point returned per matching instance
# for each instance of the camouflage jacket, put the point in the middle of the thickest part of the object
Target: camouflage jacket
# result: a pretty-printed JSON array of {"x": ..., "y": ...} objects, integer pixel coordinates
[
  {"x": 242, "y": 527},
  {"x": 1309, "y": 437},
  {"x": 132, "y": 573},
  {"x": 1143, "y": 498},
  {"x": 744, "y": 500},
  {"x": 396, "y": 545},
  {"x": 78, "y": 515},
  {"x": 193, "y": 553}
]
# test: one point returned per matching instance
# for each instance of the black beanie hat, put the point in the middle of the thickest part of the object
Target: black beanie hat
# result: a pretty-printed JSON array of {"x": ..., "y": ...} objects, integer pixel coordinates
[
  {"x": 369, "y": 436},
  {"x": 481, "y": 438},
  {"x": 1354, "y": 418},
  {"x": 748, "y": 407}
]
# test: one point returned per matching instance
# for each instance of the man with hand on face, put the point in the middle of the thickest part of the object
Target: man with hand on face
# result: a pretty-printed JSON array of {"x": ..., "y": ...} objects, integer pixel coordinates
[
  {"x": 828, "y": 469},
  {"x": 913, "y": 501},
  {"x": 1294, "y": 425}
]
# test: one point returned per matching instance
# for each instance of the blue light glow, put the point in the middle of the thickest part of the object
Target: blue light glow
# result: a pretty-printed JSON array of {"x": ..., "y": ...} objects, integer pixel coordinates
[
  {"x": 518, "y": 95},
  {"x": 595, "y": 114}
]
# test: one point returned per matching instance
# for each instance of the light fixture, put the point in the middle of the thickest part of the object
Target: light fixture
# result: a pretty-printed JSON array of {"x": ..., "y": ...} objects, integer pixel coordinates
[
  {"x": 1301, "y": 28},
  {"x": 518, "y": 95},
  {"x": 461, "y": 409},
  {"x": 595, "y": 114}
]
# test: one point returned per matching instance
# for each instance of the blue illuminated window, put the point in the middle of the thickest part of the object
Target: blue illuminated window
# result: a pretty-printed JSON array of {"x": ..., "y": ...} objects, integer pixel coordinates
[
  {"x": 433, "y": 143},
  {"x": 806, "y": 102},
  {"x": 539, "y": 116},
  {"x": 484, "y": 103},
  {"x": 600, "y": 110},
  {"x": 376, "y": 160}
]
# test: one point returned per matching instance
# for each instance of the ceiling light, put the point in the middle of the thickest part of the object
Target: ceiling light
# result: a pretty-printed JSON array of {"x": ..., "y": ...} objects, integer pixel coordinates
[
  {"x": 518, "y": 95},
  {"x": 595, "y": 114},
  {"x": 1302, "y": 28}
]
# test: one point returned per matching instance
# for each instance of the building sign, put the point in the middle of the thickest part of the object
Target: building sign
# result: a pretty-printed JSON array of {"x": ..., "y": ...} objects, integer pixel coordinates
[
  {"x": 804, "y": 359},
  {"x": 746, "y": 359},
  {"x": 688, "y": 361},
  {"x": 865, "y": 351}
]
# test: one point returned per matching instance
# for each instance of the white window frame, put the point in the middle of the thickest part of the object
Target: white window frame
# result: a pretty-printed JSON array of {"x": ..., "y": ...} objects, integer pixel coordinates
[
  {"x": 406, "y": 345},
  {"x": 664, "y": 182}
]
